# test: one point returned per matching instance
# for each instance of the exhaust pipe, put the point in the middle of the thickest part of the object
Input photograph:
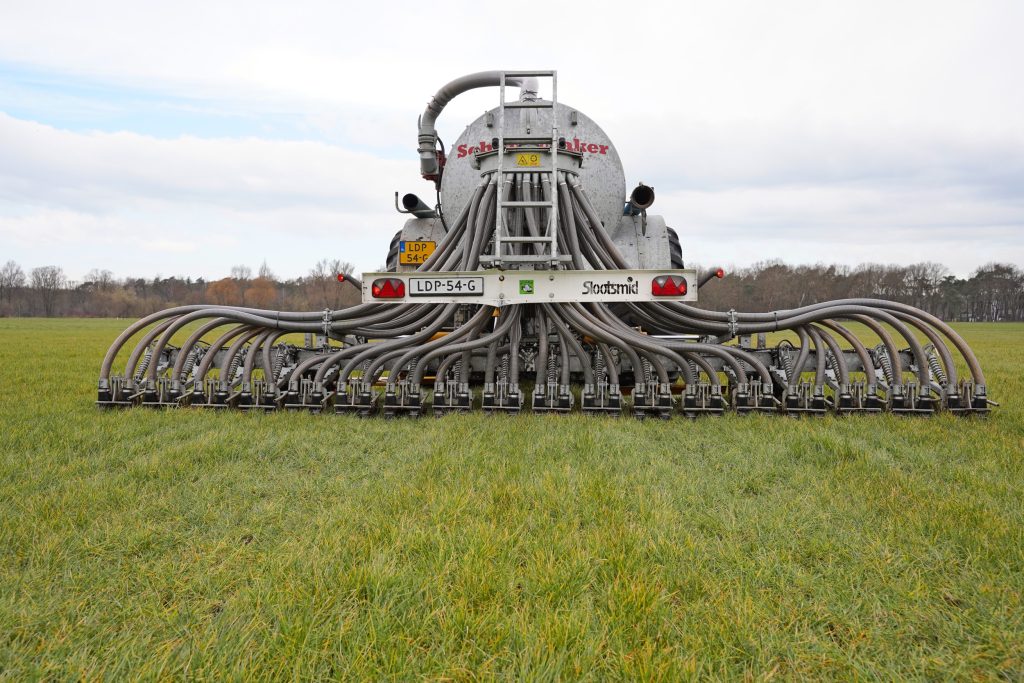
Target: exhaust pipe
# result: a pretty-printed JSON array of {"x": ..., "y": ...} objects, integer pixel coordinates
[
  {"x": 640, "y": 199},
  {"x": 414, "y": 205}
]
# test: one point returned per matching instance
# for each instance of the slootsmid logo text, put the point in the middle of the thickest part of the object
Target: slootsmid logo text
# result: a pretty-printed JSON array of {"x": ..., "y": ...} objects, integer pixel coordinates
[
  {"x": 609, "y": 287},
  {"x": 574, "y": 145}
]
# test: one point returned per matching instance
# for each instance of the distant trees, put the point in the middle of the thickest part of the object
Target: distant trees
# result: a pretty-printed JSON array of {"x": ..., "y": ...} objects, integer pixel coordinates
[
  {"x": 224, "y": 292},
  {"x": 12, "y": 277},
  {"x": 47, "y": 281},
  {"x": 261, "y": 293},
  {"x": 994, "y": 291},
  {"x": 995, "y": 294}
]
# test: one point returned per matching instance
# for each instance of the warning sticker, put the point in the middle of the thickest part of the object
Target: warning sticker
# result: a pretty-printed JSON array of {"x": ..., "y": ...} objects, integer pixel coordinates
[{"x": 528, "y": 159}]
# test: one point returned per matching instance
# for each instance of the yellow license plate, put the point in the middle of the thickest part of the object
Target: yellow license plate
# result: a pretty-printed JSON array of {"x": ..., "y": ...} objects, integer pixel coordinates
[
  {"x": 414, "y": 253},
  {"x": 528, "y": 159}
]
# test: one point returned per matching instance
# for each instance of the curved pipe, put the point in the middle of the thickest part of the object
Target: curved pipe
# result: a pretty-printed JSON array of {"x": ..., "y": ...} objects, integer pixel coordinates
[
  {"x": 858, "y": 347},
  {"x": 255, "y": 350},
  {"x": 211, "y": 353},
  {"x": 427, "y": 134},
  {"x": 229, "y": 357},
  {"x": 509, "y": 319},
  {"x": 141, "y": 347},
  {"x": 186, "y": 348}
]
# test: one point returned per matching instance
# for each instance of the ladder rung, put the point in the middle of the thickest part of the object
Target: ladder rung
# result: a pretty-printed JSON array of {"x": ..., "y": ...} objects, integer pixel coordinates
[
  {"x": 525, "y": 258},
  {"x": 527, "y": 104},
  {"x": 543, "y": 204},
  {"x": 527, "y": 74}
]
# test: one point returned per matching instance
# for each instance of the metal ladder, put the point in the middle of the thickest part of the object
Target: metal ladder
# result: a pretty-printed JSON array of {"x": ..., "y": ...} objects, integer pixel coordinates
[{"x": 550, "y": 231}]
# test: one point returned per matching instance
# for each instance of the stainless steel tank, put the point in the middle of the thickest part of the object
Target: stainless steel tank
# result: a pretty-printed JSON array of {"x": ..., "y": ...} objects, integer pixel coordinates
[{"x": 600, "y": 173}]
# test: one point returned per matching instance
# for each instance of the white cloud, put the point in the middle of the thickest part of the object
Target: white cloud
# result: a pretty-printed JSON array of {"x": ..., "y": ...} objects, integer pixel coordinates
[
  {"x": 805, "y": 130},
  {"x": 134, "y": 202},
  {"x": 846, "y": 224}
]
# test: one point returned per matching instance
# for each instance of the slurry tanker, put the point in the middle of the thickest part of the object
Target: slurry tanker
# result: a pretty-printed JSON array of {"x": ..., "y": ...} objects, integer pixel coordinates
[{"x": 537, "y": 283}]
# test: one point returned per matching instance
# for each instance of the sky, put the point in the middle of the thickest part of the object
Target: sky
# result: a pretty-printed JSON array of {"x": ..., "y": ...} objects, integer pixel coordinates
[{"x": 186, "y": 138}]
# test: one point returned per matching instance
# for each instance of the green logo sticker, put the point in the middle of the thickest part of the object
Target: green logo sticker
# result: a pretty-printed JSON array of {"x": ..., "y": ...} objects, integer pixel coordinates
[{"x": 526, "y": 286}]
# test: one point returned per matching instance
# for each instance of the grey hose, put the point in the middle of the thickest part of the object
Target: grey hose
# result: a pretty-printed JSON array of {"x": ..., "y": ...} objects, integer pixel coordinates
[
  {"x": 500, "y": 331},
  {"x": 211, "y": 353},
  {"x": 427, "y": 134}
]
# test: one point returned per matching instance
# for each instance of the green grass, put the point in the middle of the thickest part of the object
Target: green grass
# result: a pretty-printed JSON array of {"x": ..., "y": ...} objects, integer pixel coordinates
[{"x": 224, "y": 545}]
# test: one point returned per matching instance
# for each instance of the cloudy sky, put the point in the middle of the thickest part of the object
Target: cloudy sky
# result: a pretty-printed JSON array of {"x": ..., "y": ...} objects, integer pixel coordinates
[{"x": 188, "y": 137}]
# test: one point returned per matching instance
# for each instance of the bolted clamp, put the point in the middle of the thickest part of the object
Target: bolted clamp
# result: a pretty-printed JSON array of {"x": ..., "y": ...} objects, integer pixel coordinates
[
  {"x": 734, "y": 325},
  {"x": 327, "y": 326}
]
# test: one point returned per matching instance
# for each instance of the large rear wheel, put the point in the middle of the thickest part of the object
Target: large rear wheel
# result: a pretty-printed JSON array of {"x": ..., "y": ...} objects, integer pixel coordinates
[
  {"x": 392, "y": 260},
  {"x": 675, "y": 249}
]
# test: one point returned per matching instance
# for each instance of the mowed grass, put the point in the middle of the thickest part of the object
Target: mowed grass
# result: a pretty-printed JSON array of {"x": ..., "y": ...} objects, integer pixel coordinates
[{"x": 208, "y": 545}]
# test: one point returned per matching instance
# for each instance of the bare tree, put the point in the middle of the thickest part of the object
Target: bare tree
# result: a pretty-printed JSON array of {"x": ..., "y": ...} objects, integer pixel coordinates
[
  {"x": 339, "y": 267},
  {"x": 330, "y": 269},
  {"x": 102, "y": 280},
  {"x": 11, "y": 278},
  {"x": 241, "y": 273},
  {"x": 48, "y": 281},
  {"x": 264, "y": 272},
  {"x": 322, "y": 286}
]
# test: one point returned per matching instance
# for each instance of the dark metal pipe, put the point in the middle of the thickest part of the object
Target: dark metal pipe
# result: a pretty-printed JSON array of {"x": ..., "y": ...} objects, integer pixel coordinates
[
  {"x": 640, "y": 199},
  {"x": 416, "y": 206}
]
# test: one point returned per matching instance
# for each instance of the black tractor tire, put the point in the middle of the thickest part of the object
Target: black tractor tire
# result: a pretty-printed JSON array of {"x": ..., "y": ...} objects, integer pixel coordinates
[
  {"x": 392, "y": 260},
  {"x": 675, "y": 249}
]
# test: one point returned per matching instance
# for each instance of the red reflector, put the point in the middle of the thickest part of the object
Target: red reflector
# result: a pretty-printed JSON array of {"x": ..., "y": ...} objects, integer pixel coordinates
[
  {"x": 341, "y": 277},
  {"x": 719, "y": 273},
  {"x": 388, "y": 288},
  {"x": 668, "y": 285}
]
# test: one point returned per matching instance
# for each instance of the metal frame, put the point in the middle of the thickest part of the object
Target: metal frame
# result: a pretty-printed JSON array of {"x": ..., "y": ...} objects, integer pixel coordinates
[
  {"x": 500, "y": 233},
  {"x": 502, "y": 288}
]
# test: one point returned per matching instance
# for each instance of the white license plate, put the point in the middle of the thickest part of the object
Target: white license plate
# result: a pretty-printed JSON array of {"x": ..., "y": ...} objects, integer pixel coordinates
[{"x": 446, "y": 286}]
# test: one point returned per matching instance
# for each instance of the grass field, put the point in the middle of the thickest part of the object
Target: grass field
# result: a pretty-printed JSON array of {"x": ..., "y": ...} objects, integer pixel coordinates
[{"x": 223, "y": 545}]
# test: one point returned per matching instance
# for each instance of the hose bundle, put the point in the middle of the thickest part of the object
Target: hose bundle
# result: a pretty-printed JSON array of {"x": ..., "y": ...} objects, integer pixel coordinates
[{"x": 655, "y": 351}]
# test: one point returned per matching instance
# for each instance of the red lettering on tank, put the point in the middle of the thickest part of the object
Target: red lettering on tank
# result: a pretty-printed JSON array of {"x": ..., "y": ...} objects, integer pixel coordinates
[{"x": 574, "y": 145}]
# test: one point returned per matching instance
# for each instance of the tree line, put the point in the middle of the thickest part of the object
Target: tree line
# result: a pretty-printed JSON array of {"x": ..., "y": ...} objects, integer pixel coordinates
[
  {"x": 993, "y": 292},
  {"x": 46, "y": 291}
]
